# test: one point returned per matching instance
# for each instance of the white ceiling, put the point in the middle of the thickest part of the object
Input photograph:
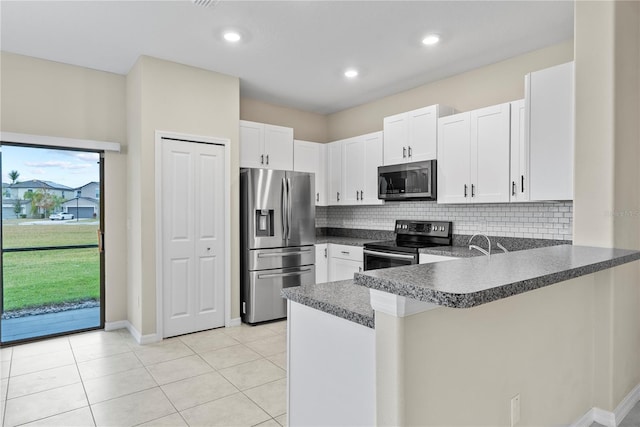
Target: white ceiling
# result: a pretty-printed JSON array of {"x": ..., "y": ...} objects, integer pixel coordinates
[{"x": 294, "y": 52}]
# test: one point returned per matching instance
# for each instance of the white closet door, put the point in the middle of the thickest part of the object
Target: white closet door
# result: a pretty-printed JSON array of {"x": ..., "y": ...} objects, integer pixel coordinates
[{"x": 193, "y": 258}]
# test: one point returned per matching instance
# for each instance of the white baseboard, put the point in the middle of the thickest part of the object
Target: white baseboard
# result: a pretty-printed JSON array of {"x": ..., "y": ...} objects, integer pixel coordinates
[
  {"x": 125, "y": 324},
  {"x": 112, "y": 326},
  {"x": 586, "y": 420},
  {"x": 234, "y": 322},
  {"x": 608, "y": 418},
  {"x": 627, "y": 404}
]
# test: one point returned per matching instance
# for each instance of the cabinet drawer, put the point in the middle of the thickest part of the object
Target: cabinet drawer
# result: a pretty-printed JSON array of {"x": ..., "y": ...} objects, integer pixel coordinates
[{"x": 353, "y": 253}]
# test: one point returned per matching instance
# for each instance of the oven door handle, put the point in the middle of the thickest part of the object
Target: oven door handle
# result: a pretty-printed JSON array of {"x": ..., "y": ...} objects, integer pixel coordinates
[{"x": 388, "y": 255}]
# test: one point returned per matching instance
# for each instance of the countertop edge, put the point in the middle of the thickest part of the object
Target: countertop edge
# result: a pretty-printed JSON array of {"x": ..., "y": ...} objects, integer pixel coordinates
[
  {"x": 329, "y": 308},
  {"x": 473, "y": 299}
]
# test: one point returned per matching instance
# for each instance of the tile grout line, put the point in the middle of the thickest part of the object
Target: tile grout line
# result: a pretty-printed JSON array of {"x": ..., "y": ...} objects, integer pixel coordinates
[{"x": 86, "y": 396}]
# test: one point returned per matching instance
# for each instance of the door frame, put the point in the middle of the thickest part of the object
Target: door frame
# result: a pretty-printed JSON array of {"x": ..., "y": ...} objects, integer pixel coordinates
[
  {"x": 75, "y": 144},
  {"x": 198, "y": 139}
]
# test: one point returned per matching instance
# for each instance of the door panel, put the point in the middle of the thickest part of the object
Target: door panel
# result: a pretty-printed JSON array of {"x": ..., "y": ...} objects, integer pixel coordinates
[
  {"x": 453, "y": 159},
  {"x": 193, "y": 236},
  {"x": 302, "y": 210}
]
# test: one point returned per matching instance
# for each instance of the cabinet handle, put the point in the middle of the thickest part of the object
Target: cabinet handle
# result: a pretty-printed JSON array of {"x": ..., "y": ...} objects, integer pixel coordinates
[
  {"x": 513, "y": 188},
  {"x": 338, "y": 196},
  {"x": 359, "y": 269},
  {"x": 317, "y": 197},
  {"x": 262, "y": 159},
  {"x": 325, "y": 252},
  {"x": 410, "y": 154},
  {"x": 465, "y": 190},
  {"x": 404, "y": 152},
  {"x": 345, "y": 252},
  {"x": 522, "y": 183},
  {"x": 361, "y": 195},
  {"x": 357, "y": 195},
  {"x": 473, "y": 190},
  {"x": 267, "y": 159}
]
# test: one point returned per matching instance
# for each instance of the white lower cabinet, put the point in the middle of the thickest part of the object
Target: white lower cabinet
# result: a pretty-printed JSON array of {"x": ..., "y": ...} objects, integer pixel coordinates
[
  {"x": 331, "y": 369},
  {"x": 344, "y": 262},
  {"x": 322, "y": 263},
  {"x": 428, "y": 258}
]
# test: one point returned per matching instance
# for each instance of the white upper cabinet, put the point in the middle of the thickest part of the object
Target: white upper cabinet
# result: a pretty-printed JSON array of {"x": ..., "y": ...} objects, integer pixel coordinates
[
  {"x": 473, "y": 156},
  {"x": 519, "y": 154},
  {"x": 549, "y": 99},
  {"x": 454, "y": 151},
  {"x": 361, "y": 157},
  {"x": 265, "y": 146},
  {"x": 334, "y": 173},
  {"x": 412, "y": 136},
  {"x": 312, "y": 157}
]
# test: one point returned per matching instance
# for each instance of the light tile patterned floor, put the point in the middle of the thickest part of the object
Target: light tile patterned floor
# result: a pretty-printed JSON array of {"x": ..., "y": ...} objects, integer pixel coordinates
[{"x": 227, "y": 377}]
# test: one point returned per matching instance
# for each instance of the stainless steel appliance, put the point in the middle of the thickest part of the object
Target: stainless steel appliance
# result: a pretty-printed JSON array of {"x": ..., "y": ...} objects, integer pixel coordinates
[
  {"x": 277, "y": 232},
  {"x": 409, "y": 181},
  {"x": 404, "y": 250}
]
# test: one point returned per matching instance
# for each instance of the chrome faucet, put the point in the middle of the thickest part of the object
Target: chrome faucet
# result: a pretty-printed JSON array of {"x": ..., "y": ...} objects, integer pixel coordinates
[
  {"x": 487, "y": 253},
  {"x": 502, "y": 247}
]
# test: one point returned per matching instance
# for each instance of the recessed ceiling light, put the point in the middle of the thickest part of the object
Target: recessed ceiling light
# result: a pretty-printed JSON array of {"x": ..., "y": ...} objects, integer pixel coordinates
[
  {"x": 232, "y": 36},
  {"x": 351, "y": 73},
  {"x": 431, "y": 39}
]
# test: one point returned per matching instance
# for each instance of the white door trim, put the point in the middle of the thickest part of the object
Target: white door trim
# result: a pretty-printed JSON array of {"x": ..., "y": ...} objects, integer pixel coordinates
[{"x": 226, "y": 143}]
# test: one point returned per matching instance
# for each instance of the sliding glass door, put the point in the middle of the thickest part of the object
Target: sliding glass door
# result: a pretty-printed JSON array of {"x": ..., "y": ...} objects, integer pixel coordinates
[{"x": 51, "y": 256}]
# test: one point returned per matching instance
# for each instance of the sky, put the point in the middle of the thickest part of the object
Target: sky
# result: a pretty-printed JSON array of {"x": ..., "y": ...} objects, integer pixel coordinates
[{"x": 71, "y": 168}]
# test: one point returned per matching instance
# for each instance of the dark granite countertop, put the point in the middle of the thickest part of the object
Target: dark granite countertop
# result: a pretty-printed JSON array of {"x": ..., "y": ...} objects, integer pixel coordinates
[
  {"x": 468, "y": 282},
  {"x": 342, "y": 299},
  {"x": 351, "y": 241}
]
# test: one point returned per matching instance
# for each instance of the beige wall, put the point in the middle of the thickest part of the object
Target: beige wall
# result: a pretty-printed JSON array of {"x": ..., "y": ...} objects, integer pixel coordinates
[
  {"x": 176, "y": 98},
  {"x": 306, "y": 126},
  {"x": 573, "y": 345},
  {"x": 48, "y": 98},
  {"x": 485, "y": 86}
]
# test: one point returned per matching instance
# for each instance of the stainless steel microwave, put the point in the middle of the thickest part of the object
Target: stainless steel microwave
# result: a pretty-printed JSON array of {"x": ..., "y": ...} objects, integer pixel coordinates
[{"x": 409, "y": 181}]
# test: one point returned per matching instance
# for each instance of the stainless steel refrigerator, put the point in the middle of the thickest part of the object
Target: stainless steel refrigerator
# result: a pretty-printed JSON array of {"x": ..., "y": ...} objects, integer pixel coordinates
[{"x": 277, "y": 235}]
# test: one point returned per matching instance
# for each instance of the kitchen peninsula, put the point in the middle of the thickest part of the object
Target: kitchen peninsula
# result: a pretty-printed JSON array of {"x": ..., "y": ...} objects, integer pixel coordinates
[{"x": 463, "y": 331}]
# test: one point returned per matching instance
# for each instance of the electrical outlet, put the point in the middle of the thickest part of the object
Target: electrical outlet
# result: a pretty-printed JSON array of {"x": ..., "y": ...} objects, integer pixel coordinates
[{"x": 515, "y": 410}]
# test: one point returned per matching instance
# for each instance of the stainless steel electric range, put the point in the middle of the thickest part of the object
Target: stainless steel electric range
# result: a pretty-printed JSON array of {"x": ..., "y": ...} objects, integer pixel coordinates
[{"x": 411, "y": 236}]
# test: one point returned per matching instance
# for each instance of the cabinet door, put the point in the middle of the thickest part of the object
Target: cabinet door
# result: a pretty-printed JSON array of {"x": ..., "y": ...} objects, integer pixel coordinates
[
  {"x": 490, "y": 154},
  {"x": 321, "y": 177},
  {"x": 550, "y": 100},
  {"x": 395, "y": 139},
  {"x": 278, "y": 147},
  {"x": 343, "y": 269},
  {"x": 353, "y": 169},
  {"x": 334, "y": 172},
  {"x": 372, "y": 159},
  {"x": 519, "y": 190},
  {"x": 423, "y": 127},
  {"x": 453, "y": 159},
  {"x": 322, "y": 263},
  {"x": 312, "y": 157},
  {"x": 251, "y": 144}
]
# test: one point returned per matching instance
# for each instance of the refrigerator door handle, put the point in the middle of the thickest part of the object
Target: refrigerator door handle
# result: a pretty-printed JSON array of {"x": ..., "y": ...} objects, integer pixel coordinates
[
  {"x": 293, "y": 273},
  {"x": 284, "y": 208},
  {"x": 289, "y": 208},
  {"x": 281, "y": 254}
]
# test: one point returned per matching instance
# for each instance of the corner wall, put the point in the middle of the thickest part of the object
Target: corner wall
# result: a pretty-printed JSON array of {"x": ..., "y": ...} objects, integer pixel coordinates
[
  {"x": 48, "y": 98},
  {"x": 175, "y": 98}
]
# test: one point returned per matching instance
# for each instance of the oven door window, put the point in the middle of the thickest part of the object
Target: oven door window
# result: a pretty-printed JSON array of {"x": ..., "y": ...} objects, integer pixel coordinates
[{"x": 374, "y": 261}]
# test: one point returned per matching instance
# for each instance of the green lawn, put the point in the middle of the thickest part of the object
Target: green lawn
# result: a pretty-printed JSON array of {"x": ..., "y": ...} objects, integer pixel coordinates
[{"x": 33, "y": 279}]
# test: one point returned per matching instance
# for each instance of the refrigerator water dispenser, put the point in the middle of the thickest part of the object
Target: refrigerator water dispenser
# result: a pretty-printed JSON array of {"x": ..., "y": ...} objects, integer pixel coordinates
[{"x": 264, "y": 222}]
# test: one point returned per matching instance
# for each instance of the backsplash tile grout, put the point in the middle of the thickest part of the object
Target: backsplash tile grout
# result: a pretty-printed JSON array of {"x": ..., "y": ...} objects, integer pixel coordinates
[{"x": 540, "y": 220}]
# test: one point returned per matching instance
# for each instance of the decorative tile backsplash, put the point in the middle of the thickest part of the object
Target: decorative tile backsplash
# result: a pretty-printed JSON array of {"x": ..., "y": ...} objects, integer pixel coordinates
[{"x": 546, "y": 220}]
